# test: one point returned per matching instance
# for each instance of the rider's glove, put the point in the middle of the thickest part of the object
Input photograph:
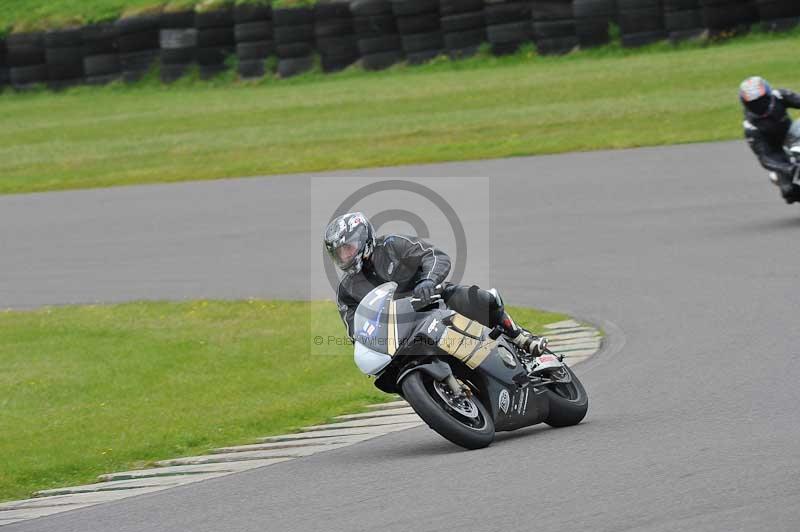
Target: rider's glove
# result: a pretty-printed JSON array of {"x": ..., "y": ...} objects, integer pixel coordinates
[{"x": 424, "y": 290}]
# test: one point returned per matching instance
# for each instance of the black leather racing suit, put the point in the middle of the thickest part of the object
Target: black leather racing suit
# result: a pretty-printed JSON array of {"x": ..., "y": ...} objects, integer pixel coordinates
[
  {"x": 408, "y": 260},
  {"x": 766, "y": 136},
  {"x": 403, "y": 259}
]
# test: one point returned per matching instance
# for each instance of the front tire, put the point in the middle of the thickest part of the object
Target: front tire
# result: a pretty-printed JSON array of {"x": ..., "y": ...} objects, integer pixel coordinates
[
  {"x": 470, "y": 433},
  {"x": 569, "y": 402}
]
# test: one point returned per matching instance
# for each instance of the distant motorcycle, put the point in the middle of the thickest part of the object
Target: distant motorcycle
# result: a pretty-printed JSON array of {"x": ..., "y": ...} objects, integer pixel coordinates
[{"x": 464, "y": 380}]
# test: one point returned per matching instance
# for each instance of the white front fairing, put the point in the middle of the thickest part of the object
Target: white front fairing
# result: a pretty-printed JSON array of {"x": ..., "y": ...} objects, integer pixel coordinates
[{"x": 368, "y": 361}]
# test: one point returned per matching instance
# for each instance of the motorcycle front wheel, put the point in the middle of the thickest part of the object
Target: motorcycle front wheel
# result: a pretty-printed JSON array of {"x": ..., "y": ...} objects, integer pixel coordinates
[
  {"x": 568, "y": 402},
  {"x": 465, "y": 422}
]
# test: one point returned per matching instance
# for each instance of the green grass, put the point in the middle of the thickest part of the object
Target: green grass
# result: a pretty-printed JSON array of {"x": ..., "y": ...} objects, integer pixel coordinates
[
  {"x": 96, "y": 389},
  {"x": 479, "y": 108},
  {"x": 25, "y": 15}
]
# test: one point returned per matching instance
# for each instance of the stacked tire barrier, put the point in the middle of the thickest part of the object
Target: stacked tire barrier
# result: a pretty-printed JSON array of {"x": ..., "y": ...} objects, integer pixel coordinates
[
  {"x": 26, "y": 60},
  {"x": 641, "y": 22},
  {"x": 294, "y": 40},
  {"x": 138, "y": 45},
  {"x": 63, "y": 50},
  {"x": 335, "y": 36},
  {"x": 378, "y": 39},
  {"x": 4, "y": 79},
  {"x": 101, "y": 63},
  {"x": 683, "y": 19},
  {"x": 376, "y": 33},
  {"x": 463, "y": 25},
  {"x": 254, "y": 39},
  {"x": 178, "y": 41},
  {"x": 419, "y": 25},
  {"x": 508, "y": 25},
  {"x": 554, "y": 26},
  {"x": 779, "y": 14},
  {"x": 724, "y": 16},
  {"x": 593, "y": 19},
  {"x": 215, "y": 40}
]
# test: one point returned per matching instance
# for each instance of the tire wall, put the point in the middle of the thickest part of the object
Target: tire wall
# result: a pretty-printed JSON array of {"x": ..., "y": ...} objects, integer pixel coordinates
[
  {"x": 779, "y": 14},
  {"x": 375, "y": 33},
  {"x": 27, "y": 63},
  {"x": 420, "y": 29},
  {"x": 101, "y": 61},
  {"x": 463, "y": 24},
  {"x": 294, "y": 40},
  {"x": 592, "y": 21},
  {"x": 554, "y": 26},
  {"x": 377, "y": 37},
  {"x": 63, "y": 50},
  {"x": 722, "y": 16},
  {"x": 138, "y": 44},
  {"x": 641, "y": 22},
  {"x": 253, "y": 31},
  {"x": 335, "y": 36},
  {"x": 683, "y": 19},
  {"x": 4, "y": 76},
  {"x": 508, "y": 25},
  {"x": 215, "y": 41},
  {"x": 178, "y": 42}
]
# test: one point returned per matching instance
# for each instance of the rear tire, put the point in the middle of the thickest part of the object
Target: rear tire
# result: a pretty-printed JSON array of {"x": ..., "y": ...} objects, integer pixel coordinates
[
  {"x": 418, "y": 391},
  {"x": 568, "y": 403}
]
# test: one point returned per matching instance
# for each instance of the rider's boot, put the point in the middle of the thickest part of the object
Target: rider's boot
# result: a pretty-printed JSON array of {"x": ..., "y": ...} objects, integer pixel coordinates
[{"x": 524, "y": 339}]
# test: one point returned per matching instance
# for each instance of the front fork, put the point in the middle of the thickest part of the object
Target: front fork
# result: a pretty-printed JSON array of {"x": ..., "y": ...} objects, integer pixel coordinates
[{"x": 459, "y": 391}]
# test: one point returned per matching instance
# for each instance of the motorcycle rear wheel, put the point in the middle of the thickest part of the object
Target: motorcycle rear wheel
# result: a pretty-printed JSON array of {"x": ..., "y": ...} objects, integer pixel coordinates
[
  {"x": 568, "y": 402},
  {"x": 418, "y": 390}
]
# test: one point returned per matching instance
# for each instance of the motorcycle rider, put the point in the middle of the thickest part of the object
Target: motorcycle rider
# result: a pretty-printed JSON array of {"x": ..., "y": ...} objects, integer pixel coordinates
[
  {"x": 418, "y": 268},
  {"x": 766, "y": 125}
]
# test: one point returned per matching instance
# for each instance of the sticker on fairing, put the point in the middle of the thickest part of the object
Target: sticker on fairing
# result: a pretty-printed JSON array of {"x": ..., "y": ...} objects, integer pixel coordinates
[
  {"x": 504, "y": 401},
  {"x": 368, "y": 329},
  {"x": 524, "y": 407}
]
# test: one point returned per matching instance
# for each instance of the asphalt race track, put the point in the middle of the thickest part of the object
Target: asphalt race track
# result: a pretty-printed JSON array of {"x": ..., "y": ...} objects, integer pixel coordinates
[{"x": 686, "y": 256}]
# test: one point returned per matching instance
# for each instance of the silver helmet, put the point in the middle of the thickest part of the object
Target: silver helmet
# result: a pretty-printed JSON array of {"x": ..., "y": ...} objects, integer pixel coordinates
[
  {"x": 349, "y": 240},
  {"x": 756, "y": 95}
]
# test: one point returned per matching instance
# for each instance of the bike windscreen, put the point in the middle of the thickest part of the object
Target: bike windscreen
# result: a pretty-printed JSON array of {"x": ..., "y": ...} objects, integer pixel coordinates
[{"x": 374, "y": 323}]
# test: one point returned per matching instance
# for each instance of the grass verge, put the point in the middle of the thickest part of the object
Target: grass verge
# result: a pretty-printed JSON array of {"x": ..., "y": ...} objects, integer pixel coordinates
[
  {"x": 48, "y": 14},
  {"x": 95, "y": 389},
  {"x": 483, "y": 107}
]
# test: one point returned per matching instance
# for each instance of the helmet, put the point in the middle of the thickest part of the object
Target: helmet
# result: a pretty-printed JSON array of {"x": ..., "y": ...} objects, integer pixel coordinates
[
  {"x": 756, "y": 95},
  {"x": 349, "y": 239}
]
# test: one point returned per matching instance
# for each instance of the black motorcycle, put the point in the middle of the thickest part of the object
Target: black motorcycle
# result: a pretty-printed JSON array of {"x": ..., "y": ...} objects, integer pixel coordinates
[
  {"x": 791, "y": 148},
  {"x": 464, "y": 380},
  {"x": 792, "y": 143}
]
